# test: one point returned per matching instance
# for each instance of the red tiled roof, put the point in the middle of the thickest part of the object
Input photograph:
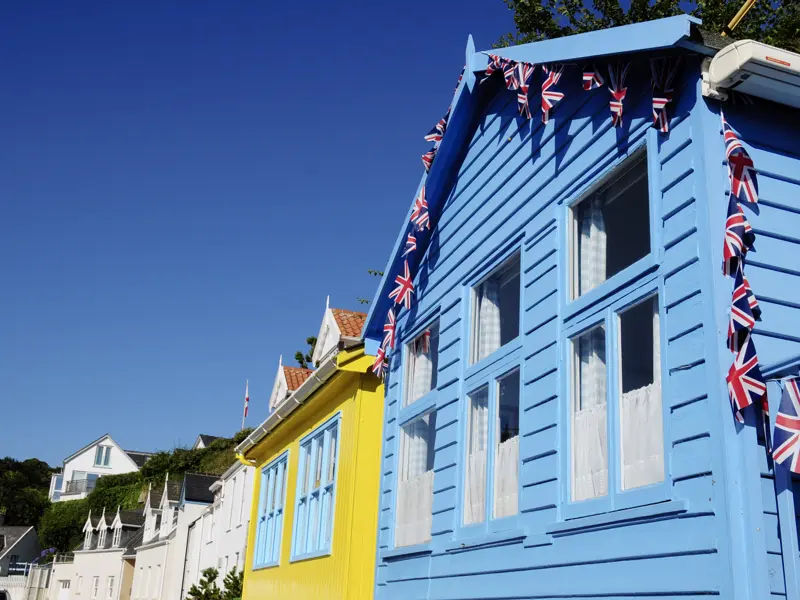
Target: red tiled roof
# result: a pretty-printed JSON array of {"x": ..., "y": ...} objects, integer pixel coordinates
[
  {"x": 350, "y": 323},
  {"x": 295, "y": 376}
]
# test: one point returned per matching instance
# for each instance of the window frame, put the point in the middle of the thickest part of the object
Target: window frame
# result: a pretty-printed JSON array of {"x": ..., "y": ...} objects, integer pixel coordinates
[
  {"x": 411, "y": 338},
  {"x": 102, "y": 457},
  {"x": 608, "y": 316},
  {"x": 115, "y": 540},
  {"x": 263, "y": 500},
  {"x": 95, "y": 589},
  {"x": 110, "y": 587},
  {"x": 333, "y": 422},
  {"x": 572, "y": 307}
]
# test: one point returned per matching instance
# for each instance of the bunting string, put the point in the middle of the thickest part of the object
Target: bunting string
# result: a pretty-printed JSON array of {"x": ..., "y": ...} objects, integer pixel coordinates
[
  {"x": 663, "y": 71},
  {"x": 616, "y": 86},
  {"x": 549, "y": 95}
]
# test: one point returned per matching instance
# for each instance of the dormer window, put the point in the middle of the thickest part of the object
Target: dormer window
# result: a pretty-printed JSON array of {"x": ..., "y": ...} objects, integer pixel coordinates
[
  {"x": 102, "y": 541},
  {"x": 117, "y": 537},
  {"x": 87, "y": 541},
  {"x": 158, "y": 523}
]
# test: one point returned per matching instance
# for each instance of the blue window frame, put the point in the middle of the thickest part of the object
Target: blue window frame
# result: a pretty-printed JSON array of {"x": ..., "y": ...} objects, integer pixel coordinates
[
  {"x": 489, "y": 501},
  {"x": 611, "y": 342},
  {"x": 316, "y": 487},
  {"x": 269, "y": 528}
]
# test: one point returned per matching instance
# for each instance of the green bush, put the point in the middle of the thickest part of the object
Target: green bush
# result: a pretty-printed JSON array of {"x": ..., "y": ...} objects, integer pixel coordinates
[{"x": 62, "y": 524}]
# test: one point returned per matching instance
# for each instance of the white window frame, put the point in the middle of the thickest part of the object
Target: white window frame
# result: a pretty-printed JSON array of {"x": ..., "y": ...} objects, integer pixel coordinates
[
  {"x": 102, "y": 456},
  {"x": 95, "y": 587},
  {"x": 101, "y": 541},
  {"x": 79, "y": 585},
  {"x": 244, "y": 496},
  {"x": 117, "y": 537},
  {"x": 415, "y": 517},
  {"x": 110, "y": 588},
  {"x": 411, "y": 358}
]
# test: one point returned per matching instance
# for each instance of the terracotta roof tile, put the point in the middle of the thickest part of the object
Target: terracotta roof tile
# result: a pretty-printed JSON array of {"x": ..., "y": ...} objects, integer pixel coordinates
[
  {"x": 295, "y": 376},
  {"x": 350, "y": 323}
]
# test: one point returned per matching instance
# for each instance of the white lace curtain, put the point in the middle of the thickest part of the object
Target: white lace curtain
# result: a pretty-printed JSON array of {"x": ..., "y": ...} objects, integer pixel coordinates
[
  {"x": 420, "y": 369},
  {"x": 475, "y": 488},
  {"x": 642, "y": 426},
  {"x": 415, "y": 486},
  {"x": 488, "y": 316},
  {"x": 592, "y": 245},
  {"x": 506, "y": 494}
]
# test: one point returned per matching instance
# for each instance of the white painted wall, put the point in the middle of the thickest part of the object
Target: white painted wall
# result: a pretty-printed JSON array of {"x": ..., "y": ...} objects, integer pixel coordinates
[
  {"x": 14, "y": 586},
  {"x": 103, "y": 564},
  {"x": 119, "y": 462},
  {"x": 148, "y": 578},
  {"x": 230, "y": 515}
]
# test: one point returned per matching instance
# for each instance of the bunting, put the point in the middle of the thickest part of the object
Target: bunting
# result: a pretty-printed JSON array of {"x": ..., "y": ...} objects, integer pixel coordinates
[
  {"x": 744, "y": 183},
  {"x": 746, "y": 385},
  {"x": 405, "y": 287},
  {"x": 411, "y": 244},
  {"x": 739, "y": 238},
  {"x": 381, "y": 365},
  {"x": 592, "y": 79},
  {"x": 786, "y": 442},
  {"x": 663, "y": 71},
  {"x": 525, "y": 72},
  {"x": 419, "y": 216},
  {"x": 550, "y": 96},
  {"x": 389, "y": 329},
  {"x": 616, "y": 86}
]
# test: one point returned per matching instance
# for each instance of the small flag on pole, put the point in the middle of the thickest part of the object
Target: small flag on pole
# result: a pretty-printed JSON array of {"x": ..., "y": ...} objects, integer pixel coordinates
[{"x": 246, "y": 400}]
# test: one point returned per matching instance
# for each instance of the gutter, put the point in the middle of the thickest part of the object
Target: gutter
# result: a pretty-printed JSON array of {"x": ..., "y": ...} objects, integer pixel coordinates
[{"x": 327, "y": 369}]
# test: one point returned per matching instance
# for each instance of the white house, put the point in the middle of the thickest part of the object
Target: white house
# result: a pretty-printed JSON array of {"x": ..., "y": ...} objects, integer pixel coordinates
[
  {"x": 161, "y": 557},
  {"x": 81, "y": 469},
  {"x": 218, "y": 538},
  {"x": 19, "y": 545},
  {"x": 204, "y": 441}
]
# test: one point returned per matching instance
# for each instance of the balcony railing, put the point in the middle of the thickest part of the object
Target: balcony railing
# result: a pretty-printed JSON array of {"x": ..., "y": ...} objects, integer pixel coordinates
[
  {"x": 19, "y": 568},
  {"x": 79, "y": 486}
]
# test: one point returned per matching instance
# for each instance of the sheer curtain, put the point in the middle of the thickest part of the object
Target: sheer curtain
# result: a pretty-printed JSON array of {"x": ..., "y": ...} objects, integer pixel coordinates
[
  {"x": 506, "y": 501},
  {"x": 415, "y": 488},
  {"x": 488, "y": 315},
  {"x": 592, "y": 245},
  {"x": 421, "y": 370},
  {"x": 642, "y": 426},
  {"x": 590, "y": 448},
  {"x": 475, "y": 486}
]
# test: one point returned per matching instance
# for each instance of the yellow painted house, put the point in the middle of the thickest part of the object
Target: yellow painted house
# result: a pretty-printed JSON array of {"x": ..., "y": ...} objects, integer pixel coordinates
[{"x": 313, "y": 529}]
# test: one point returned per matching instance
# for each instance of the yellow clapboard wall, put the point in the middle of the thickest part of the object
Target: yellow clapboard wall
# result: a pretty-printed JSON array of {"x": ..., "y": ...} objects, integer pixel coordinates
[{"x": 349, "y": 571}]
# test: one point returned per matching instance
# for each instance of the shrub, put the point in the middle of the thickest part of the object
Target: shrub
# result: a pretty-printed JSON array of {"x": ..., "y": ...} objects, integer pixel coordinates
[
  {"x": 207, "y": 590},
  {"x": 62, "y": 524}
]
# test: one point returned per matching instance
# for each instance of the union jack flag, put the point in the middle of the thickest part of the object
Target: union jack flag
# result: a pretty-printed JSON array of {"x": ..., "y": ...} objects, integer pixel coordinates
[
  {"x": 663, "y": 71},
  {"x": 389, "y": 329},
  {"x": 495, "y": 64},
  {"x": 744, "y": 183},
  {"x": 427, "y": 158},
  {"x": 510, "y": 74},
  {"x": 751, "y": 299},
  {"x": 592, "y": 79},
  {"x": 420, "y": 216},
  {"x": 437, "y": 133},
  {"x": 742, "y": 319},
  {"x": 786, "y": 438},
  {"x": 381, "y": 364},
  {"x": 739, "y": 238},
  {"x": 617, "y": 74},
  {"x": 405, "y": 287},
  {"x": 411, "y": 244},
  {"x": 745, "y": 382},
  {"x": 765, "y": 422},
  {"x": 549, "y": 96},
  {"x": 524, "y": 73}
]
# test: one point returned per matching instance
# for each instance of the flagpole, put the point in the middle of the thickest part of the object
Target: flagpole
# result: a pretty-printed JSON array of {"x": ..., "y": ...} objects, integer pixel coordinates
[{"x": 246, "y": 398}]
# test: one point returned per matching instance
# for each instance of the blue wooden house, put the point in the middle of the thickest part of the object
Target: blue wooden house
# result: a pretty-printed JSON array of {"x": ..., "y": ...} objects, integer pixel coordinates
[{"x": 557, "y": 418}]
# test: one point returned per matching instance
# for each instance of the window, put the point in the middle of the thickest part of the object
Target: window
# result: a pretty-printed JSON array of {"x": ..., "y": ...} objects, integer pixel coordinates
[
  {"x": 231, "y": 502},
  {"x": 415, "y": 481},
  {"x": 110, "y": 589},
  {"x": 147, "y": 583},
  {"x": 611, "y": 226},
  {"x": 495, "y": 310},
  {"x": 102, "y": 456},
  {"x": 477, "y": 443},
  {"x": 79, "y": 586},
  {"x": 117, "y": 537},
  {"x": 242, "y": 499},
  {"x": 422, "y": 364},
  {"x": 87, "y": 540},
  {"x": 636, "y": 358},
  {"x": 158, "y": 522},
  {"x": 313, "y": 528},
  {"x": 506, "y": 447},
  {"x": 95, "y": 586},
  {"x": 101, "y": 543},
  {"x": 269, "y": 528},
  {"x": 236, "y": 564},
  {"x": 156, "y": 581}
]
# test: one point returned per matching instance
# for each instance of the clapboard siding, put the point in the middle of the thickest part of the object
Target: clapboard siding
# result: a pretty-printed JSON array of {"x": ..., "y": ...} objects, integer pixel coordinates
[{"x": 510, "y": 192}]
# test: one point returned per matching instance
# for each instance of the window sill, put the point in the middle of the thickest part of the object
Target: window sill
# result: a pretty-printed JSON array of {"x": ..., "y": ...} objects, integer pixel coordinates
[
  {"x": 626, "y": 515},
  {"x": 406, "y": 551},
  {"x": 310, "y": 556},
  {"x": 503, "y": 538},
  {"x": 271, "y": 565}
]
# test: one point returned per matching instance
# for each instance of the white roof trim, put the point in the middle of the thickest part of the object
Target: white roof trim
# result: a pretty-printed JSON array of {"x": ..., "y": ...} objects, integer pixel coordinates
[{"x": 329, "y": 328}]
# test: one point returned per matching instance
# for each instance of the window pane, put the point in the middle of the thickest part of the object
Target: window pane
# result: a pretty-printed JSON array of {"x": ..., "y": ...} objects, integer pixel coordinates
[
  {"x": 306, "y": 458},
  {"x": 98, "y": 456},
  {"x": 422, "y": 364},
  {"x": 332, "y": 455},
  {"x": 496, "y": 310},
  {"x": 318, "y": 447},
  {"x": 613, "y": 225},
  {"x": 477, "y": 440},
  {"x": 506, "y": 469},
  {"x": 415, "y": 486},
  {"x": 641, "y": 416},
  {"x": 589, "y": 420}
]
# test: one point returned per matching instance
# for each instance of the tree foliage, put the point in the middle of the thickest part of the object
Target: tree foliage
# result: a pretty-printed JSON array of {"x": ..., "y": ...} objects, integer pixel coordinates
[
  {"x": 207, "y": 590},
  {"x": 305, "y": 360},
  {"x": 62, "y": 524},
  {"x": 233, "y": 583},
  {"x": 24, "y": 486},
  {"x": 775, "y": 22}
]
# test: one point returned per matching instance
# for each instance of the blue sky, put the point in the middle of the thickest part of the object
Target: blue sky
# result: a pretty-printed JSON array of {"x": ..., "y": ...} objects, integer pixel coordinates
[{"x": 180, "y": 189}]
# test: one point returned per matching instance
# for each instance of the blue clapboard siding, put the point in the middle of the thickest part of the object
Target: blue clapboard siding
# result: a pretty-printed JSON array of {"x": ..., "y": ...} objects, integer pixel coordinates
[{"x": 511, "y": 189}]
